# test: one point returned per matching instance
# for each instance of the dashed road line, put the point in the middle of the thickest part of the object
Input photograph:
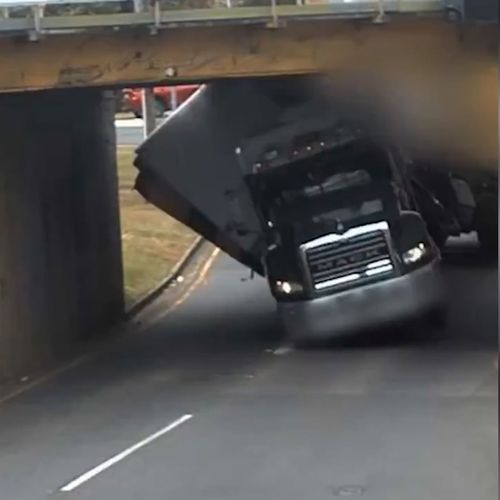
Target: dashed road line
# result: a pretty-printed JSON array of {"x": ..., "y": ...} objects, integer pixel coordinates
[{"x": 87, "y": 476}]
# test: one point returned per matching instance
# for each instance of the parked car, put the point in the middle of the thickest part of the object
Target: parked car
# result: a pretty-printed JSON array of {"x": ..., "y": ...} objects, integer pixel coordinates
[{"x": 166, "y": 98}]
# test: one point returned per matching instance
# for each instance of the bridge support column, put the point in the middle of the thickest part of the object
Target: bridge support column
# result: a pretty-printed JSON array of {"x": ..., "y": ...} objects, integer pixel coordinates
[{"x": 60, "y": 252}]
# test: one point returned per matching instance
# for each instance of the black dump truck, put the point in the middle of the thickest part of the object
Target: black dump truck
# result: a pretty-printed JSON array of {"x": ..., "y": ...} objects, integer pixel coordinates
[{"x": 268, "y": 173}]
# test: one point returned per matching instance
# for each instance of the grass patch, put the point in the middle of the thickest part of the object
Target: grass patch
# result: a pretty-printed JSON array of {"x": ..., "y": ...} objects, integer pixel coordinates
[{"x": 152, "y": 241}]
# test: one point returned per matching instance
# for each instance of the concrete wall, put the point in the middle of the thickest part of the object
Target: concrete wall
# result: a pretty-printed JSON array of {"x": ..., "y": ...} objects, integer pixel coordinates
[{"x": 60, "y": 252}]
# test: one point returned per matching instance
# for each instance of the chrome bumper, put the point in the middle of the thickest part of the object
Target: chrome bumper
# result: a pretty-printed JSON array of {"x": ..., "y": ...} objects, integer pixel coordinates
[{"x": 372, "y": 305}]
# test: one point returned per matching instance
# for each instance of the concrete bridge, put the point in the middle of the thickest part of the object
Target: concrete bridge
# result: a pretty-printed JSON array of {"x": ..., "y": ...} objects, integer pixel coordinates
[{"x": 60, "y": 257}]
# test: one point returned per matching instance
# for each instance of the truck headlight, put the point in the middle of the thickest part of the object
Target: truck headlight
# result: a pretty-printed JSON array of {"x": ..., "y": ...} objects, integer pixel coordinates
[
  {"x": 288, "y": 287},
  {"x": 415, "y": 254}
]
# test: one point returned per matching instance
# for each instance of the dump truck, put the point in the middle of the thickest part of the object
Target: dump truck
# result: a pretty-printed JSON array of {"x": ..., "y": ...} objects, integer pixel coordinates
[{"x": 302, "y": 197}]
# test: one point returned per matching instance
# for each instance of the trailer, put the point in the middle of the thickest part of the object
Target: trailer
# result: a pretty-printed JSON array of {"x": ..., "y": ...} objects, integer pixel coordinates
[{"x": 458, "y": 201}]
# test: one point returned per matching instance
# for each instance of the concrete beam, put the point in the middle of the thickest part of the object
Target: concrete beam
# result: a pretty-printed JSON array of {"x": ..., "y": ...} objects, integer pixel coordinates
[
  {"x": 60, "y": 253},
  {"x": 124, "y": 57}
]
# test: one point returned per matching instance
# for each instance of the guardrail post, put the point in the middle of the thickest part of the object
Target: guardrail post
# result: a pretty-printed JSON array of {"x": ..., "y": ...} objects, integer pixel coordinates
[
  {"x": 139, "y": 6},
  {"x": 156, "y": 16},
  {"x": 381, "y": 16},
  {"x": 274, "y": 15},
  {"x": 37, "y": 12}
]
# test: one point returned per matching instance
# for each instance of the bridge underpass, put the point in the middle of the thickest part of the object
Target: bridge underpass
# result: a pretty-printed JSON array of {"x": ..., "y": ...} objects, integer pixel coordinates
[
  {"x": 203, "y": 395},
  {"x": 59, "y": 189}
]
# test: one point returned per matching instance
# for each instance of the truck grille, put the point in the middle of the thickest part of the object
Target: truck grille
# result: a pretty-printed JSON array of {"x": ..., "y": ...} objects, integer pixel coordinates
[{"x": 357, "y": 256}]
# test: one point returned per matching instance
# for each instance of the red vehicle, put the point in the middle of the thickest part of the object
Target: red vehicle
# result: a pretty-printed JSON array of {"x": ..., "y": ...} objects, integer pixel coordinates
[{"x": 166, "y": 98}]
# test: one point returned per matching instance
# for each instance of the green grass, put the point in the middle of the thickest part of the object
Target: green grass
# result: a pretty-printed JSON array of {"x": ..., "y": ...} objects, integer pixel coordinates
[{"x": 152, "y": 241}]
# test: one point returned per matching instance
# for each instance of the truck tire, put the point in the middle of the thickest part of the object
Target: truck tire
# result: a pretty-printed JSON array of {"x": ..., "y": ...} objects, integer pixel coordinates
[{"x": 487, "y": 225}]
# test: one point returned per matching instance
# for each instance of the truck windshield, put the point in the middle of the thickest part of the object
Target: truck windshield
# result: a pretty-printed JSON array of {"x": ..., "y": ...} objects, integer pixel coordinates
[
  {"x": 354, "y": 211},
  {"x": 331, "y": 183},
  {"x": 352, "y": 183}
]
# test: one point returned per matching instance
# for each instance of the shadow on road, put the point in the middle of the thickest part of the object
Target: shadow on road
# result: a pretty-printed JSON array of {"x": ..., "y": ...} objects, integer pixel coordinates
[
  {"x": 470, "y": 258},
  {"x": 225, "y": 328}
]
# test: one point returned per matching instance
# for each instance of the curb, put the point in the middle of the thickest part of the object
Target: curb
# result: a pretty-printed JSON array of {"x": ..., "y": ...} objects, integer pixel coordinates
[{"x": 150, "y": 296}]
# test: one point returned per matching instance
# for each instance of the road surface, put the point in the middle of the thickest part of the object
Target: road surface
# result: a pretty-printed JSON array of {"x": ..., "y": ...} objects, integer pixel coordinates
[{"x": 206, "y": 402}]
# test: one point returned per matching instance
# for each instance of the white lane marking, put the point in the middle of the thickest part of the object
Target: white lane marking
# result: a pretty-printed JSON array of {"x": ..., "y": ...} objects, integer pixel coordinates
[{"x": 122, "y": 455}]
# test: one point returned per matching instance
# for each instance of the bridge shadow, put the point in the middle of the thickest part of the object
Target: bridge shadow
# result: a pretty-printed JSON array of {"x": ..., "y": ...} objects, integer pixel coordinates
[
  {"x": 464, "y": 252},
  {"x": 470, "y": 258},
  {"x": 224, "y": 330}
]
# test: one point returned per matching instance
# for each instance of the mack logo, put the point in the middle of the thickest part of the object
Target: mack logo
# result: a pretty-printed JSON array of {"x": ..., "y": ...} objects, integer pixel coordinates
[{"x": 353, "y": 258}]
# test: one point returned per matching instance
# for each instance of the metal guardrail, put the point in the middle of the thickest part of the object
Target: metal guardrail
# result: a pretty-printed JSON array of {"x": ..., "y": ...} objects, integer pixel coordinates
[{"x": 41, "y": 17}]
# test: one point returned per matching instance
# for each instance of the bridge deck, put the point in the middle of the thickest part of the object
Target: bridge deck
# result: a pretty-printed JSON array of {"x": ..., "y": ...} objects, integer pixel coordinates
[
  {"x": 118, "y": 14},
  {"x": 202, "y": 44}
]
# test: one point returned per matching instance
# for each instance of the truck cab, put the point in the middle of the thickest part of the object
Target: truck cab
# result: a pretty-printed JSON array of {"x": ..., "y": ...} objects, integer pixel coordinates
[{"x": 345, "y": 245}]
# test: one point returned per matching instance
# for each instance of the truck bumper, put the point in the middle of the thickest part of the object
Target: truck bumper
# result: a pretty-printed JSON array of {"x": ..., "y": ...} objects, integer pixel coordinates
[{"x": 389, "y": 301}]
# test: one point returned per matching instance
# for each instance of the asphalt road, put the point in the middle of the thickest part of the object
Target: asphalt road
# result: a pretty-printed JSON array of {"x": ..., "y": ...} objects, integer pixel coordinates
[{"x": 229, "y": 412}]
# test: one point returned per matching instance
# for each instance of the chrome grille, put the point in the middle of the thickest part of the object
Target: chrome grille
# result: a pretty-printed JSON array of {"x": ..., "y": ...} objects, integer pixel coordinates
[{"x": 359, "y": 255}]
